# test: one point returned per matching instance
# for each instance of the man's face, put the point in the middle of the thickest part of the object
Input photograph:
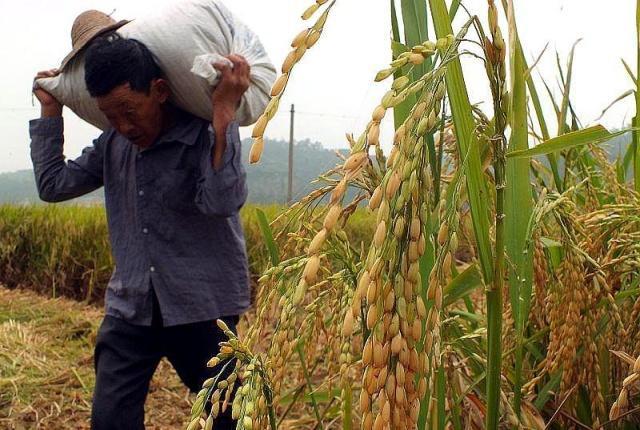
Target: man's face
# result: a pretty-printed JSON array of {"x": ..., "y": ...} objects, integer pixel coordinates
[{"x": 136, "y": 115}]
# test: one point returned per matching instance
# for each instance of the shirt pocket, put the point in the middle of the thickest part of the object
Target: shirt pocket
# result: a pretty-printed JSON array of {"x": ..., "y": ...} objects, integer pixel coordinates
[{"x": 179, "y": 191}]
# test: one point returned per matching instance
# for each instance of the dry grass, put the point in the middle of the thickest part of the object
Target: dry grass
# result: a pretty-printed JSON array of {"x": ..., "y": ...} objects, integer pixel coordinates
[{"x": 46, "y": 367}]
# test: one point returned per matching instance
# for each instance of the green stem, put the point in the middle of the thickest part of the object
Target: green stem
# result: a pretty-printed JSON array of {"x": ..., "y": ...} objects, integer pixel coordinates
[
  {"x": 347, "y": 420},
  {"x": 308, "y": 379},
  {"x": 519, "y": 357},
  {"x": 635, "y": 133},
  {"x": 441, "y": 390},
  {"x": 496, "y": 73},
  {"x": 494, "y": 307},
  {"x": 272, "y": 413}
]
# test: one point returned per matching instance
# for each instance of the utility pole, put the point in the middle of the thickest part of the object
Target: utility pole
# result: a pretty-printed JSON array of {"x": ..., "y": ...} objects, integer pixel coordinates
[{"x": 290, "y": 184}]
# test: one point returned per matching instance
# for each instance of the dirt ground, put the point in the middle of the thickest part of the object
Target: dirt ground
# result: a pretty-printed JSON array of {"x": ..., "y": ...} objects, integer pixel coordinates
[{"x": 46, "y": 367}]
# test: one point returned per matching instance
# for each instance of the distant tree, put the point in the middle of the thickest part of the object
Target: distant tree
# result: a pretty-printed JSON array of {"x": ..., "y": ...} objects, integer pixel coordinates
[{"x": 267, "y": 180}]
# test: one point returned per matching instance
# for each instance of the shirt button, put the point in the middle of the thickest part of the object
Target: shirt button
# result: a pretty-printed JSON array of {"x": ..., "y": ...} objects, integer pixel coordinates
[
  {"x": 141, "y": 193},
  {"x": 145, "y": 230},
  {"x": 152, "y": 268}
]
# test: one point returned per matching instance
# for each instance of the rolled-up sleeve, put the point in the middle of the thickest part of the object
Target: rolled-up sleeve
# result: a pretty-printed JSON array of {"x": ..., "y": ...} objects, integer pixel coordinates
[
  {"x": 56, "y": 179},
  {"x": 223, "y": 191}
]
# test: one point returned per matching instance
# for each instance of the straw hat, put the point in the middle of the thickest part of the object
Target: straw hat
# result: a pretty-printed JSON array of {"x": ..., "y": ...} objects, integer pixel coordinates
[{"x": 86, "y": 27}]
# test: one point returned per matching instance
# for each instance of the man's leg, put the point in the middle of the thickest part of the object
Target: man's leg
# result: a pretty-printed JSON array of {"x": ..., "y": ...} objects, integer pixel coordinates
[
  {"x": 125, "y": 358},
  {"x": 190, "y": 347}
]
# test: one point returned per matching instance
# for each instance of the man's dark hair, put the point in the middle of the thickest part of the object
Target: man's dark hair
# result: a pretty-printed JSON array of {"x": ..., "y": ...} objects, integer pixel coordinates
[{"x": 112, "y": 61}]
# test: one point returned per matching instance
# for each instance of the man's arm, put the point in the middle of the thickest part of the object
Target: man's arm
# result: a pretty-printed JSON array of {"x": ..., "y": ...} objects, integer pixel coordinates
[
  {"x": 222, "y": 189},
  {"x": 56, "y": 179},
  {"x": 226, "y": 99}
]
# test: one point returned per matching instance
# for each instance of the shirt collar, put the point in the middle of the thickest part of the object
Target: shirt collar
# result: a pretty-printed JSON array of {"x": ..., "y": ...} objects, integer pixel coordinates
[{"x": 185, "y": 130}]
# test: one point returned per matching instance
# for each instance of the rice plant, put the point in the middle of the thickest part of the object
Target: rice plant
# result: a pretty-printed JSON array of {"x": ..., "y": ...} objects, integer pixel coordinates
[
  {"x": 63, "y": 250},
  {"x": 499, "y": 288}
]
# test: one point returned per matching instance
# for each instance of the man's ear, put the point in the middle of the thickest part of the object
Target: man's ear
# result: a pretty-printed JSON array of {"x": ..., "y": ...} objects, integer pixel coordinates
[{"x": 160, "y": 90}]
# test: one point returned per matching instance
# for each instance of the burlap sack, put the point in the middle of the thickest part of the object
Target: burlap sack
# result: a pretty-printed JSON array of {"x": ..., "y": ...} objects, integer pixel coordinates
[{"x": 182, "y": 37}]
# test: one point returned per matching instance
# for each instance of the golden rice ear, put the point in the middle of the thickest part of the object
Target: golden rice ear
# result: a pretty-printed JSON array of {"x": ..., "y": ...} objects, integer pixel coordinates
[
  {"x": 373, "y": 137},
  {"x": 310, "y": 273},
  {"x": 289, "y": 62},
  {"x": 313, "y": 38},
  {"x": 259, "y": 127},
  {"x": 301, "y": 37},
  {"x": 378, "y": 113},
  {"x": 308, "y": 13},
  {"x": 332, "y": 217},
  {"x": 376, "y": 198},
  {"x": 317, "y": 241},
  {"x": 300, "y": 51},
  {"x": 347, "y": 326},
  {"x": 384, "y": 74},
  {"x": 279, "y": 85},
  {"x": 272, "y": 108},
  {"x": 380, "y": 234},
  {"x": 256, "y": 150},
  {"x": 355, "y": 161}
]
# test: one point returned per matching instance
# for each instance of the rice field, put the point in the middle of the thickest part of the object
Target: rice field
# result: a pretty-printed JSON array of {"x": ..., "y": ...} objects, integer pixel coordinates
[
  {"x": 491, "y": 282},
  {"x": 63, "y": 250}
]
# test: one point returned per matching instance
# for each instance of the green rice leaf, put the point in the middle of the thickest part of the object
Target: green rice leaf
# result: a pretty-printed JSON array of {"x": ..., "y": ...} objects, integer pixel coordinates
[
  {"x": 467, "y": 142},
  {"x": 547, "y": 391},
  {"x": 629, "y": 72},
  {"x": 267, "y": 235},
  {"x": 615, "y": 101},
  {"x": 592, "y": 135},
  {"x": 518, "y": 202},
  {"x": 414, "y": 18},
  {"x": 554, "y": 251},
  {"x": 462, "y": 285},
  {"x": 566, "y": 90}
]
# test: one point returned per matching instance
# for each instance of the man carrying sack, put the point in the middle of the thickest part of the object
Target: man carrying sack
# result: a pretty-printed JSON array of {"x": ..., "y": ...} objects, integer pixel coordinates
[{"x": 174, "y": 185}]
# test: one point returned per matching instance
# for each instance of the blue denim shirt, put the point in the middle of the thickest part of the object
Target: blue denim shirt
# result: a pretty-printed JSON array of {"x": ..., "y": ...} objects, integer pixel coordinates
[{"x": 173, "y": 219}]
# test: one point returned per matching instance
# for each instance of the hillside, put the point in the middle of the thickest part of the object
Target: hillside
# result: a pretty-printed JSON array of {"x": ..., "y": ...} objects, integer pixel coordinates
[{"x": 267, "y": 180}]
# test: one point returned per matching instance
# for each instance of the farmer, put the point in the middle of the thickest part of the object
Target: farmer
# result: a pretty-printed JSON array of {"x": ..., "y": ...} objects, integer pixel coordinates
[{"x": 173, "y": 187}]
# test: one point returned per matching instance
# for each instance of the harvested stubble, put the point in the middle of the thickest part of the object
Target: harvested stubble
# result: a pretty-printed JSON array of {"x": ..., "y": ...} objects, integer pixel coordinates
[{"x": 46, "y": 367}]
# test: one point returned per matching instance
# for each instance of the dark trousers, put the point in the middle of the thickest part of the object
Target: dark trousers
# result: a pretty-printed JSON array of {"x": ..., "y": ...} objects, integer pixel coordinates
[{"x": 126, "y": 356}]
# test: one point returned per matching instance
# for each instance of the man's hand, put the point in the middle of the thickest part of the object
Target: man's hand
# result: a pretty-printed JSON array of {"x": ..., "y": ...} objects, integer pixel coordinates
[
  {"x": 232, "y": 85},
  {"x": 226, "y": 99},
  {"x": 49, "y": 106}
]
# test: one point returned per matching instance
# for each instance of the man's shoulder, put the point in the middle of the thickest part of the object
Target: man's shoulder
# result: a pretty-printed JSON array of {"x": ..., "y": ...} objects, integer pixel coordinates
[
  {"x": 185, "y": 117},
  {"x": 107, "y": 135},
  {"x": 190, "y": 123},
  {"x": 187, "y": 128}
]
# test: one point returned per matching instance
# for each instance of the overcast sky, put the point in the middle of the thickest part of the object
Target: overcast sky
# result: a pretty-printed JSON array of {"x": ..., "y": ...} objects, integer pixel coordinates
[{"x": 332, "y": 89}]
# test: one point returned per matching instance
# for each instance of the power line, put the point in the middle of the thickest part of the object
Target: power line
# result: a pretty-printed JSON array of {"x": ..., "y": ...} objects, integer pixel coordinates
[
  {"x": 18, "y": 108},
  {"x": 327, "y": 115},
  {"x": 310, "y": 113},
  {"x": 290, "y": 181}
]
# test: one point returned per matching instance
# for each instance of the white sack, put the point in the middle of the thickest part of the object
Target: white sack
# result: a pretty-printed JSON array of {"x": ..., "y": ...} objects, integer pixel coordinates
[{"x": 181, "y": 37}]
